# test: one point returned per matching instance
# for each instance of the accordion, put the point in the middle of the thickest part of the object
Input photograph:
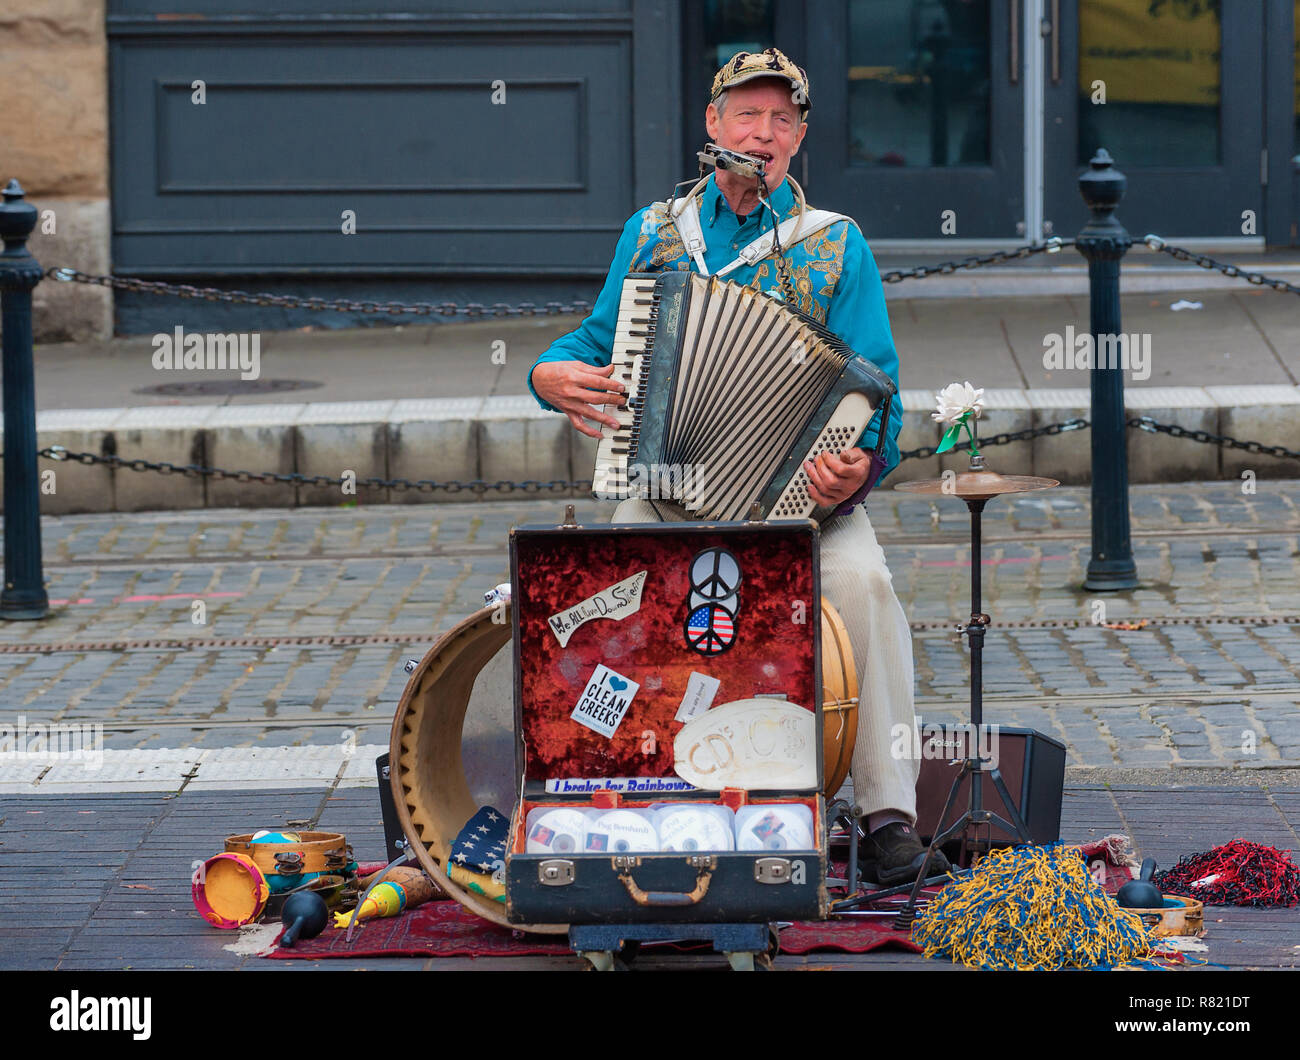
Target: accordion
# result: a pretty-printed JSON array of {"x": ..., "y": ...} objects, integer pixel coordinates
[{"x": 729, "y": 391}]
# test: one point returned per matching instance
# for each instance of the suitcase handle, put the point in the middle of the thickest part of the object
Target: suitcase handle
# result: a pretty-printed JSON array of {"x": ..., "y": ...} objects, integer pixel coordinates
[{"x": 667, "y": 897}]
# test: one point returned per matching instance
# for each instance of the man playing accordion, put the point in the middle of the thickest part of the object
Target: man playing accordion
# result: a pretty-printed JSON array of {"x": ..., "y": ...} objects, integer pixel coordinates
[{"x": 758, "y": 108}]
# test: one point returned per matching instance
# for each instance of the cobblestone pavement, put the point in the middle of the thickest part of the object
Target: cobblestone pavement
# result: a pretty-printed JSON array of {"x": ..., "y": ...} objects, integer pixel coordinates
[{"x": 1211, "y": 679}]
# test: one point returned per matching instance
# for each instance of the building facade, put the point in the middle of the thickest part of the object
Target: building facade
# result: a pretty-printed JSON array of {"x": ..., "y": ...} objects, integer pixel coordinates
[{"x": 490, "y": 150}]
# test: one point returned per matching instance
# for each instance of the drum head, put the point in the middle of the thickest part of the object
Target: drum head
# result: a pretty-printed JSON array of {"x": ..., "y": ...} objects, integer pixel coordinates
[{"x": 453, "y": 748}]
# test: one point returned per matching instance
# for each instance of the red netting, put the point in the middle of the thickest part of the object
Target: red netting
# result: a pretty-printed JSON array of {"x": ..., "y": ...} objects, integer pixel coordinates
[{"x": 1237, "y": 873}]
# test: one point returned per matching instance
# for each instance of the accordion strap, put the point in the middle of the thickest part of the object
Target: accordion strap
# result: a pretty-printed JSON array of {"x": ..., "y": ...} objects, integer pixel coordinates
[
  {"x": 813, "y": 222},
  {"x": 687, "y": 220}
]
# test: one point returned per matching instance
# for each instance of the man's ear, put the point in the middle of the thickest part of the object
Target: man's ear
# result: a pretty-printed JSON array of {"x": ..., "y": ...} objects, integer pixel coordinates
[
  {"x": 712, "y": 123},
  {"x": 803, "y": 129}
]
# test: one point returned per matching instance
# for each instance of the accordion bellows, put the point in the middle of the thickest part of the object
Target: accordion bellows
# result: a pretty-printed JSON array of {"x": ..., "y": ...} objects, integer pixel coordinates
[{"x": 729, "y": 392}]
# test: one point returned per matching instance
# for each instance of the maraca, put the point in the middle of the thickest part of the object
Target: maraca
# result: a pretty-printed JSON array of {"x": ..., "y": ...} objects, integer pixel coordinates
[{"x": 306, "y": 915}]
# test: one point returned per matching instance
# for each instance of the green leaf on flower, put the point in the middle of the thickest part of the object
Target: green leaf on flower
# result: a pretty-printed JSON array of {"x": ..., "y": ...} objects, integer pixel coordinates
[{"x": 950, "y": 437}]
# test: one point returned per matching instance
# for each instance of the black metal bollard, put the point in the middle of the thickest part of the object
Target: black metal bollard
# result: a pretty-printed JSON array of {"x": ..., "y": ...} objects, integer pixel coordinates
[
  {"x": 24, "y": 593},
  {"x": 1104, "y": 241}
]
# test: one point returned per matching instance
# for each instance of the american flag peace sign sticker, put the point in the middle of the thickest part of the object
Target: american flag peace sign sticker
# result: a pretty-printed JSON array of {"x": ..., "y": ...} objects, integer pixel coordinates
[{"x": 710, "y": 629}]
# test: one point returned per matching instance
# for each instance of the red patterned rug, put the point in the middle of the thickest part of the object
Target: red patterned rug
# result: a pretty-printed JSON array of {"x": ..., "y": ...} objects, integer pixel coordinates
[{"x": 447, "y": 929}]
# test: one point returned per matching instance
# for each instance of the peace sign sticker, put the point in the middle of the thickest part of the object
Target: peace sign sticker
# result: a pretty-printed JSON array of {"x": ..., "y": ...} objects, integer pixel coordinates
[
  {"x": 715, "y": 574},
  {"x": 710, "y": 629}
]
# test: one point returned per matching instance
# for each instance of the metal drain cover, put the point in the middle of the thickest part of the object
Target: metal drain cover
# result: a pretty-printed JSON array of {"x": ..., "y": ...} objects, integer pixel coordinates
[{"x": 206, "y": 387}]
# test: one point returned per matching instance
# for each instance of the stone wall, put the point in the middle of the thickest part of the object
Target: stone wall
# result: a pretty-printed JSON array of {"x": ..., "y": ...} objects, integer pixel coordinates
[{"x": 54, "y": 137}]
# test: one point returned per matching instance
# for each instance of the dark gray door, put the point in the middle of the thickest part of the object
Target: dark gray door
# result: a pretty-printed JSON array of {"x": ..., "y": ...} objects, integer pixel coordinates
[
  {"x": 1173, "y": 90},
  {"x": 917, "y": 120},
  {"x": 452, "y": 138},
  {"x": 1292, "y": 115}
]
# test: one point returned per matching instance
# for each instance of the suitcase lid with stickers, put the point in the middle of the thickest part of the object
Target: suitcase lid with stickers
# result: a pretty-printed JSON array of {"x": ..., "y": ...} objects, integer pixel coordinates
[{"x": 664, "y": 660}]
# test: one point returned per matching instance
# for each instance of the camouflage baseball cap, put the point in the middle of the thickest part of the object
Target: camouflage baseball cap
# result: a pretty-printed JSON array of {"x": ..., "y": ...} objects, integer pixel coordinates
[{"x": 772, "y": 62}]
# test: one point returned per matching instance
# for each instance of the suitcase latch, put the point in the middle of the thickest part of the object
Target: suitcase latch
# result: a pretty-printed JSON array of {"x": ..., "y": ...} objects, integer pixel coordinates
[
  {"x": 555, "y": 872},
  {"x": 772, "y": 870}
]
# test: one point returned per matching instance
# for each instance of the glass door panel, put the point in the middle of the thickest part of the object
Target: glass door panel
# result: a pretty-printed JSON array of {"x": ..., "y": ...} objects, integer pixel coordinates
[
  {"x": 918, "y": 84},
  {"x": 1172, "y": 89},
  {"x": 1159, "y": 70},
  {"x": 916, "y": 127}
]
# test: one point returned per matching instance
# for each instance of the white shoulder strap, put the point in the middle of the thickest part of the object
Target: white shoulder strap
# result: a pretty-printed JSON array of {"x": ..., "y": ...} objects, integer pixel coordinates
[
  {"x": 686, "y": 215},
  {"x": 813, "y": 221}
]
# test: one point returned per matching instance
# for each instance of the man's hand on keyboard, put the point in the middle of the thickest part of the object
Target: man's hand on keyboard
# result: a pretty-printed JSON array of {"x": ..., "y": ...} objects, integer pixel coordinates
[
  {"x": 834, "y": 479},
  {"x": 577, "y": 389}
]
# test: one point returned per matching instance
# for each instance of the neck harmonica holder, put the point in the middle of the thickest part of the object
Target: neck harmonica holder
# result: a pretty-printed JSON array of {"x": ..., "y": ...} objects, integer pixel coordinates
[{"x": 715, "y": 158}]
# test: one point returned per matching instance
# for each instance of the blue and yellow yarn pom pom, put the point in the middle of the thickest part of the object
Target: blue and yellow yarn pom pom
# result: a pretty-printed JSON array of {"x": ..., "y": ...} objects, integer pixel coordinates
[{"x": 1031, "y": 908}]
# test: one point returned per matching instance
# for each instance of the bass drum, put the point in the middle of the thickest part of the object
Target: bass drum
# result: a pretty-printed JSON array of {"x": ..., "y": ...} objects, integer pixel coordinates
[
  {"x": 453, "y": 749},
  {"x": 453, "y": 740},
  {"x": 839, "y": 700}
]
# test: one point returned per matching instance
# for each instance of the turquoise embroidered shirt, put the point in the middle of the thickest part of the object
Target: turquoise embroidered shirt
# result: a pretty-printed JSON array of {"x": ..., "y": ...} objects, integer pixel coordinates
[{"x": 833, "y": 271}]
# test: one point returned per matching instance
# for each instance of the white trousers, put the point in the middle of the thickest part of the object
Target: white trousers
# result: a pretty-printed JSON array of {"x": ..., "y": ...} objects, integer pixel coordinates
[{"x": 856, "y": 580}]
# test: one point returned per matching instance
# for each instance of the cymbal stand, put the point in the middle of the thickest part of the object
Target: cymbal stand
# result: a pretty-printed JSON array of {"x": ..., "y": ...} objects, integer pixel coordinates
[{"x": 975, "y": 817}]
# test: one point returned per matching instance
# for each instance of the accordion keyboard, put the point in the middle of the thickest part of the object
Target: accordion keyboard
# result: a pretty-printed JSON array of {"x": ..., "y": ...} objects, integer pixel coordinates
[{"x": 633, "y": 339}]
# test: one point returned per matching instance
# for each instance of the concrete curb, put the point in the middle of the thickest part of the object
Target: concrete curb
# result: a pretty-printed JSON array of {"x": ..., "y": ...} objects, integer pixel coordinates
[
  {"x": 99, "y": 770},
  {"x": 512, "y": 439}
]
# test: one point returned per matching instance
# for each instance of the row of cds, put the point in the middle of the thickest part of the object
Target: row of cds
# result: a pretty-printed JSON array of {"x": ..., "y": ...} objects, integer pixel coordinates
[{"x": 669, "y": 827}]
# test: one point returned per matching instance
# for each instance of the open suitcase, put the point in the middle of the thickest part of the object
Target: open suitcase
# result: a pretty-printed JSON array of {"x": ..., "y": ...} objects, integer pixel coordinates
[{"x": 668, "y": 726}]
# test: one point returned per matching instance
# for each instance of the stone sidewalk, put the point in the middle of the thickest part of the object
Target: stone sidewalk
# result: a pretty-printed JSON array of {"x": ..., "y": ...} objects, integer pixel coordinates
[
  {"x": 126, "y": 903},
  {"x": 1183, "y": 733},
  {"x": 449, "y": 402},
  {"x": 307, "y": 617}
]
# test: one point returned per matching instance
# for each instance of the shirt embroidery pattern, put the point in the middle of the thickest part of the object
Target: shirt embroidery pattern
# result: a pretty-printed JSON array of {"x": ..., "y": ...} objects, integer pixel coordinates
[{"x": 659, "y": 246}]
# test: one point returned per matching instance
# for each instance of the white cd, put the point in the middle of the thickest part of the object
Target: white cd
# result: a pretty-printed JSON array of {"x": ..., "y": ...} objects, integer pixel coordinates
[
  {"x": 775, "y": 827},
  {"x": 690, "y": 828},
  {"x": 554, "y": 830},
  {"x": 620, "y": 832}
]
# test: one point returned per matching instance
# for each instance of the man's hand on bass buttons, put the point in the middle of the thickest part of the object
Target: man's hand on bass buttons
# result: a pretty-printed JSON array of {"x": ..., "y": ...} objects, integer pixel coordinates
[
  {"x": 834, "y": 479},
  {"x": 576, "y": 388}
]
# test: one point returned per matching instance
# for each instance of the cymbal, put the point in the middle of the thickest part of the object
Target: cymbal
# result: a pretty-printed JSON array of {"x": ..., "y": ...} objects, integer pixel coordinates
[{"x": 977, "y": 485}]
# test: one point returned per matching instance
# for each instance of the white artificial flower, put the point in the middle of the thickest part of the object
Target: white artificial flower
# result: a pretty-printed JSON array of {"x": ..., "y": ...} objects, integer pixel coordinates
[{"x": 957, "y": 399}]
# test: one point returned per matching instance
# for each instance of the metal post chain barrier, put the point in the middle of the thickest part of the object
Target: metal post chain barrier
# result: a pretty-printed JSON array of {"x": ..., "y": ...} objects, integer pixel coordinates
[
  {"x": 341, "y": 305},
  {"x": 578, "y": 305},
  {"x": 1146, "y": 423},
  {"x": 65, "y": 274},
  {"x": 1207, "y": 262},
  {"x": 997, "y": 257},
  {"x": 482, "y": 486},
  {"x": 477, "y": 310},
  {"x": 294, "y": 478}
]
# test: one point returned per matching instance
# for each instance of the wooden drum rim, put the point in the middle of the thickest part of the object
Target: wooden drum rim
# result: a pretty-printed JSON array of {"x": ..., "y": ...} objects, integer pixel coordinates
[
  {"x": 839, "y": 696},
  {"x": 443, "y": 663}
]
